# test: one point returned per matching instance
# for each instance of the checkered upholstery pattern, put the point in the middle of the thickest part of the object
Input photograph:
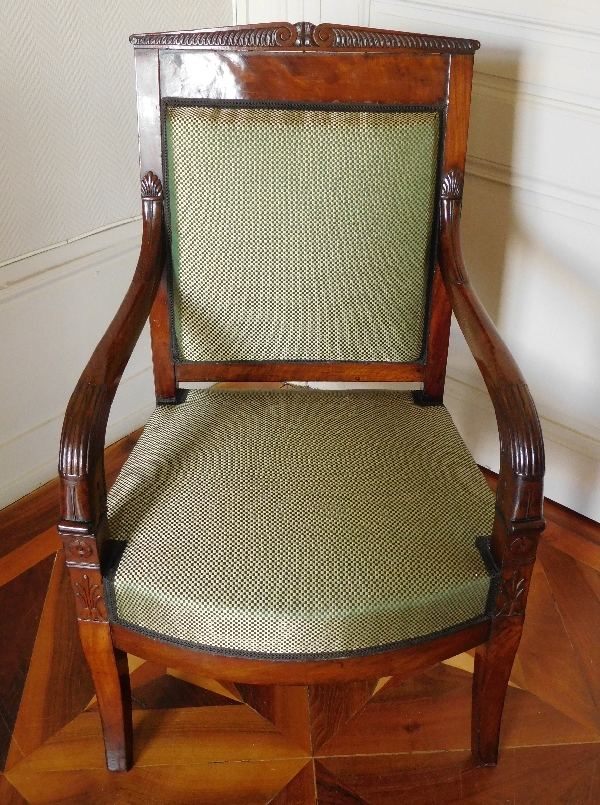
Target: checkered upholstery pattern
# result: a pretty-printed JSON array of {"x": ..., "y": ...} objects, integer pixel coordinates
[
  {"x": 299, "y": 523},
  {"x": 300, "y": 234}
]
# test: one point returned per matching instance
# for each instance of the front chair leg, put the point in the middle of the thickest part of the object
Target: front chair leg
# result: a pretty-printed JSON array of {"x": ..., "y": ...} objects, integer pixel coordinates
[
  {"x": 110, "y": 673},
  {"x": 107, "y": 663},
  {"x": 493, "y": 665}
]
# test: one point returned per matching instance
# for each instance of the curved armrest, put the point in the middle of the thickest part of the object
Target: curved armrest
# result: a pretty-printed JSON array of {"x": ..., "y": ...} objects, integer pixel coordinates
[
  {"x": 519, "y": 496},
  {"x": 81, "y": 463}
]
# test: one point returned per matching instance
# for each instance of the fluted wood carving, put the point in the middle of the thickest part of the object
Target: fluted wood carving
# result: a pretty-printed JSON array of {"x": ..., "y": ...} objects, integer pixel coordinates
[{"x": 520, "y": 431}]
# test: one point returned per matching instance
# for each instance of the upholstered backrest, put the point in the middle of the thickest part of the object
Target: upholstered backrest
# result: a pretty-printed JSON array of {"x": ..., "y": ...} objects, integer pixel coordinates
[
  {"x": 300, "y": 233},
  {"x": 302, "y": 169}
]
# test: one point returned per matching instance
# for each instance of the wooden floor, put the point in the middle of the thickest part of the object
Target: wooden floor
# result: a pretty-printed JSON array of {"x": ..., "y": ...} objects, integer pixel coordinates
[{"x": 201, "y": 741}]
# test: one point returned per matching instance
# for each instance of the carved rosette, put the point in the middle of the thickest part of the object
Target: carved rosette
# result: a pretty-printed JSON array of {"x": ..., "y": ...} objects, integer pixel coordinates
[
  {"x": 452, "y": 185},
  {"x": 511, "y": 598},
  {"x": 80, "y": 549},
  {"x": 151, "y": 187},
  {"x": 522, "y": 546},
  {"x": 87, "y": 587},
  {"x": 306, "y": 35}
]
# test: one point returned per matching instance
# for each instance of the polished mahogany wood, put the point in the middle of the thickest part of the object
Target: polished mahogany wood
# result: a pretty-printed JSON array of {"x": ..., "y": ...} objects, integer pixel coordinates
[
  {"x": 381, "y": 78},
  {"x": 401, "y": 663},
  {"x": 81, "y": 461},
  {"x": 267, "y": 371},
  {"x": 110, "y": 673},
  {"x": 438, "y": 339},
  {"x": 165, "y": 381},
  {"x": 518, "y": 520}
]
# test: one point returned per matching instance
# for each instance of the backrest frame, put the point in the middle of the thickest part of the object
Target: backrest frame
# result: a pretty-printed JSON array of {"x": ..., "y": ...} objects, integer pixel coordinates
[{"x": 309, "y": 64}]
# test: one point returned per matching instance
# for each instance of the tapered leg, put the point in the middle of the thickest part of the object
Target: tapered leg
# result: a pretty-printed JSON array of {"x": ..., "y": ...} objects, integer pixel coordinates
[
  {"x": 111, "y": 679},
  {"x": 493, "y": 664}
]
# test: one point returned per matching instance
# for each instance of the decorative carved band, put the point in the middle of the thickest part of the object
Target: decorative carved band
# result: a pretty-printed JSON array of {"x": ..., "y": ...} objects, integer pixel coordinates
[
  {"x": 306, "y": 35},
  {"x": 329, "y": 36},
  {"x": 151, "y": 186},
  {"x": 260, "y": 36},
  {"x": 452, "y": 185}
]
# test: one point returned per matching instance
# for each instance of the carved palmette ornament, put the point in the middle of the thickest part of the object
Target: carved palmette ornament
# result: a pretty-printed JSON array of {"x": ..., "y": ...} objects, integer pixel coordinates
[
  {"x": 511, "y": 598},
  {"x": 151, "y": 186},
  {"x": 89, "y": 598},
  {"x": 452, "y": 185}
]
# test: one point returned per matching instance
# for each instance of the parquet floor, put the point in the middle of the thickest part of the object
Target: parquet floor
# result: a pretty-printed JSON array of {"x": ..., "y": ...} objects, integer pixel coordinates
[{"x": 202, "y": 741}]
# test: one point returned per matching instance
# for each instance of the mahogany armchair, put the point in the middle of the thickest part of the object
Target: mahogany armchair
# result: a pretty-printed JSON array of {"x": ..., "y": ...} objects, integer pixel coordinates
[{"x": 301, "y": 194}]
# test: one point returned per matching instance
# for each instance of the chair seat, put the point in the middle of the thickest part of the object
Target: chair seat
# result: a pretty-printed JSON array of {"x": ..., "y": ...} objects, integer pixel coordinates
[{"x": 299, "y": 523}]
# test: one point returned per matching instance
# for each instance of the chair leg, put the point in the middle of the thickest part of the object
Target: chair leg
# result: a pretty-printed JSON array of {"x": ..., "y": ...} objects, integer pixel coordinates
[
  {"x": 110, "y": 673},
  {"x": 493, "y": 665}
]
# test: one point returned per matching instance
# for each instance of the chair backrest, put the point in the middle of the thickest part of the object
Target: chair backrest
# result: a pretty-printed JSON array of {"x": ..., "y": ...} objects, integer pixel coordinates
[{"x": 302, "y": 168}]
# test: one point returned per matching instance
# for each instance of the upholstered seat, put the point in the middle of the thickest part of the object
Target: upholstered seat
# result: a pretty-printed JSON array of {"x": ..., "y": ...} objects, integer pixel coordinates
[{"x": 299, "y": 522}]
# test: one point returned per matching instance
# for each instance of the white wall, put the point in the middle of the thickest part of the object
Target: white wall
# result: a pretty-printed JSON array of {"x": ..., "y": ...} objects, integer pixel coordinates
[
  {"x": 531, "y": 215},
  {"x": 68, "y": 156}
]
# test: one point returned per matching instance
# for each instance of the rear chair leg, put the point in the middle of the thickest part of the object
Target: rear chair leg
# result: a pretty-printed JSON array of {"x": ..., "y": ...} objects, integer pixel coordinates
[{"x": 110, "y": 673}]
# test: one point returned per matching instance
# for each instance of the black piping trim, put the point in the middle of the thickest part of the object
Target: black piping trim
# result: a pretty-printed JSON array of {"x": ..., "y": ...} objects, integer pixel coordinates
[
  {"x": 114, "y": 552},
  {"x": 484, "y": 545},
  {"x": 440, "y": 108},
  {"x": 423, "y": 401},
  {"x": 245, "y": 103},
  {"x": 417, "y": 362}
]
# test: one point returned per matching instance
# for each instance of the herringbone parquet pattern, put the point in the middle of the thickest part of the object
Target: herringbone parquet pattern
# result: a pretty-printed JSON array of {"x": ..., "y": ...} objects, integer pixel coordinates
[{"x": 376, "y": 743}]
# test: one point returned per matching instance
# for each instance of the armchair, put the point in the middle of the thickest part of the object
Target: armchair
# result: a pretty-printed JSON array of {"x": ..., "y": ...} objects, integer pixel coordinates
[{"x": 301, "y": 193}]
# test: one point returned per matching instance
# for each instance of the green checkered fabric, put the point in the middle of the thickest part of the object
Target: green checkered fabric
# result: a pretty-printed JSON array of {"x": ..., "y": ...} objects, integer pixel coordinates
[
  {"x": 299, "y": 523},
  {"x": 300, "y": 235}
]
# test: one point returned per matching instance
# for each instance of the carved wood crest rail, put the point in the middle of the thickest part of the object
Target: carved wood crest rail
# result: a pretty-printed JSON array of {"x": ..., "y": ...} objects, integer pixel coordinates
[{"x": 283, "y": 35}]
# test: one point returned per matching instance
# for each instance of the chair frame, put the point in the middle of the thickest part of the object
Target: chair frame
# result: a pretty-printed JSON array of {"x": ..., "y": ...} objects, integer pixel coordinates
[{"x": 280, "y": 61}]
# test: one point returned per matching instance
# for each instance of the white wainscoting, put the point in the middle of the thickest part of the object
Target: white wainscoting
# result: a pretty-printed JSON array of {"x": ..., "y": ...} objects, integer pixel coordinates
[
  {"x": 54, "y": 307},
  {"x": 531, "y": 215}
]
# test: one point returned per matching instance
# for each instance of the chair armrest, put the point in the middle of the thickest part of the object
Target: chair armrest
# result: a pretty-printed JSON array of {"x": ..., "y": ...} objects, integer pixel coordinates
[
  {"x": 81, "y": 462},
  {"x": 519, "y": 497}
]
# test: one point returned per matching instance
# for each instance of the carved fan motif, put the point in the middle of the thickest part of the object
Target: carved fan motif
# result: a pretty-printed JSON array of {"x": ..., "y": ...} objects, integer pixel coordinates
[
  {"x": 151, "y": 186},
  {"x": 452, "y": 184}
]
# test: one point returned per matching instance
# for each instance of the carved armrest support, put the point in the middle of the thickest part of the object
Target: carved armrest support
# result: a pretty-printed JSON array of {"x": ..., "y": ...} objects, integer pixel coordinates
[
  {"x": 519, "y": 497},
  {"x": 81, "y": 463}
]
